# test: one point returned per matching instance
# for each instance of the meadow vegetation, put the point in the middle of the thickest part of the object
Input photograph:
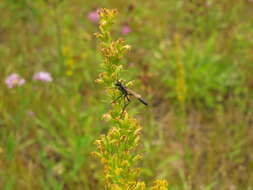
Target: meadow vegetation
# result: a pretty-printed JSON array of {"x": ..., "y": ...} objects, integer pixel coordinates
[{"x": 191, "y": 61}]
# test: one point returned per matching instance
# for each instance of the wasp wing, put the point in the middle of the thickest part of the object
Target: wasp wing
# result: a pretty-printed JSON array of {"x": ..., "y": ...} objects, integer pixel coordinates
[{"x": 136, "y": 95}]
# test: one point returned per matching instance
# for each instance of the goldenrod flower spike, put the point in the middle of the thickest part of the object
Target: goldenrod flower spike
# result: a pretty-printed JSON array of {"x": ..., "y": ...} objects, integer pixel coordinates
[{"x": 116, "y": 149}]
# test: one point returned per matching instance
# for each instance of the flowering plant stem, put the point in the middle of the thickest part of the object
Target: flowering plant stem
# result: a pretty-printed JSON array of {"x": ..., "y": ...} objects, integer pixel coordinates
[{"x": 116, "y": 149}]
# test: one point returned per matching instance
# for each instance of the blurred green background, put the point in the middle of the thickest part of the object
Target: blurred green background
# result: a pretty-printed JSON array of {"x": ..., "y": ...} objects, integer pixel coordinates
[{"x": 191, "y": 60}]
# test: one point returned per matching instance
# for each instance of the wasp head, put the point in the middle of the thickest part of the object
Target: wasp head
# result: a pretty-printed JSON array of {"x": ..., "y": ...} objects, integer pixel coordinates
[{"x": 118, "y": 84}]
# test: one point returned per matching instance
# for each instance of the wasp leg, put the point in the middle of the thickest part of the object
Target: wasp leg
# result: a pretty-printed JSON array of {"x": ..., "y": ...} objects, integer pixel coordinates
[
  {"x": 126, "y": 104},
  {"x": 126, "y": 96},
  {"x": 117, "y": 98}
]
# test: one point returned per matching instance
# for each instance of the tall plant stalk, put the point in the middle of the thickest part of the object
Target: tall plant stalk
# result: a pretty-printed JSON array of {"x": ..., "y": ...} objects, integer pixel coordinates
[{"x": 116, "y": 150}]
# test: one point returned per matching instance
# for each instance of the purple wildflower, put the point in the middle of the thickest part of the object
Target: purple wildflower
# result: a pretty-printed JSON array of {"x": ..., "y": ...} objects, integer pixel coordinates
[
  {"x": 14, "y": 80},
  {"x": 125, "y": 30},
  {"x": 93, "y": 16},
  {"x": 42, "y": 76}
]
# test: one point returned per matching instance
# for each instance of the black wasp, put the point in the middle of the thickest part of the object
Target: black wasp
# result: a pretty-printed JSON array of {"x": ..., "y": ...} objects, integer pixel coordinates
[{"x": 127, "y": 93}]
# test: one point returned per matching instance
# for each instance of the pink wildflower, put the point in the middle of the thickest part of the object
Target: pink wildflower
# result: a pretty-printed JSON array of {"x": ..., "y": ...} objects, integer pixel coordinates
[
  {"x": 42, "y": 76},
  {"x": 93, "y": 16},
  {"x": 125, "y": 30},
  {"x": 14, "y": 80},
  {"x": 30, "y": 113}
]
